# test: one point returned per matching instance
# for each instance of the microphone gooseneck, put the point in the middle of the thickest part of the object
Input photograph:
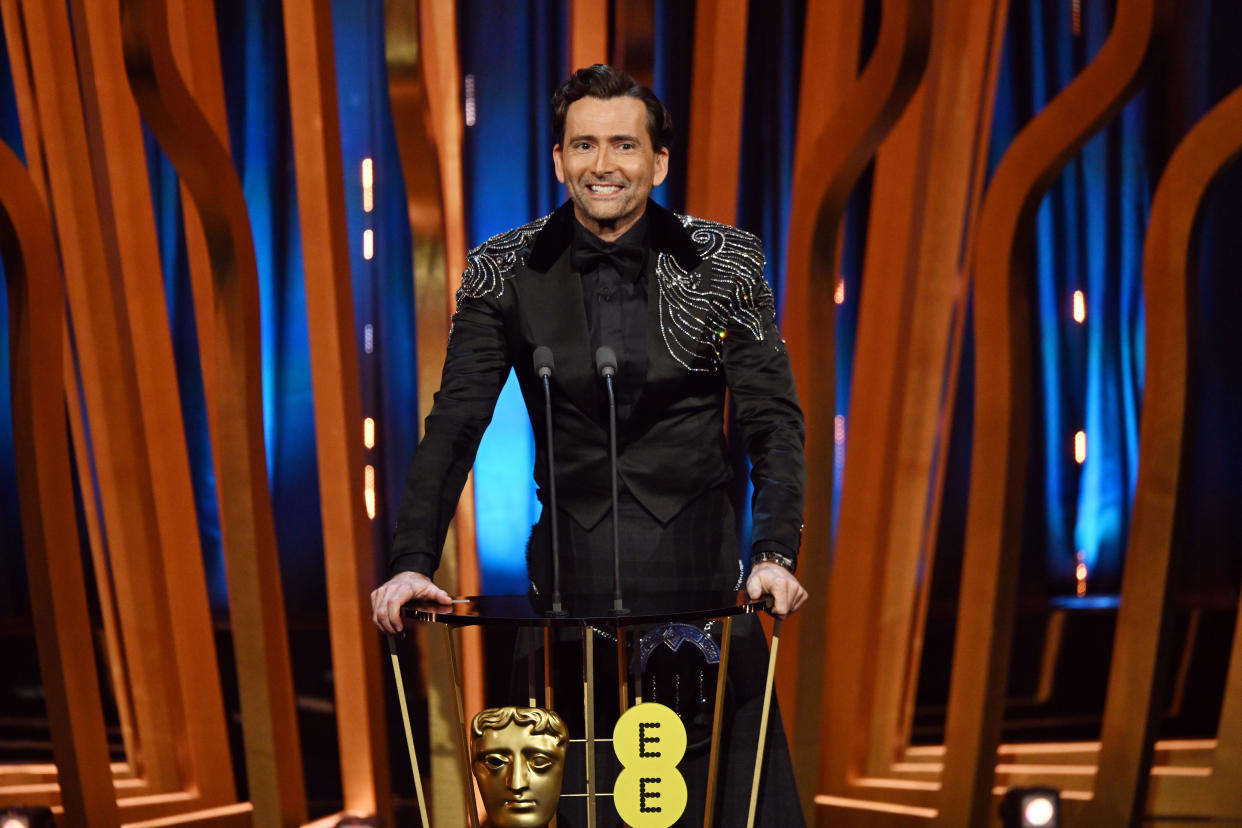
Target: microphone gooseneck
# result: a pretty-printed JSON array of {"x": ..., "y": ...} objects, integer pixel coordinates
[
  {"x": 606, "y": 365},
  {"x": 544, "y": 366}
]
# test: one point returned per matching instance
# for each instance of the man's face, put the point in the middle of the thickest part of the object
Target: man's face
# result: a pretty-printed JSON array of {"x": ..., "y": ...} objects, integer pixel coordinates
[
  {"x": 608, "y": 163},
  {"x": 519, "y": 775}
]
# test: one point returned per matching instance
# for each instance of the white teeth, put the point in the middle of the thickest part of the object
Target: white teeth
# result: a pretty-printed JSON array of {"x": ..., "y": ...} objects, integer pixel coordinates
[{"x": 604, "y": 188}]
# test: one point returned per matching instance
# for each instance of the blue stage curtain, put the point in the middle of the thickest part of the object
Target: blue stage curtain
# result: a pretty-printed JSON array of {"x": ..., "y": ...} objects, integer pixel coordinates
[
  {"x": 1089, "y": 231},
  {"x": 513, "y": 56}
]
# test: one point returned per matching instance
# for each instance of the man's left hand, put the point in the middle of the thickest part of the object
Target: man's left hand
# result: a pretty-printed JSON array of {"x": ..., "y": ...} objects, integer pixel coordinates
[{"x": 768, "y": 578}]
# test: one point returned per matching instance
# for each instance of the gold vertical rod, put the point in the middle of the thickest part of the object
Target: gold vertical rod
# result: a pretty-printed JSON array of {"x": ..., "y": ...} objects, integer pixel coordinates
[
  {"x": 532, "y": 681},
  {"x": 471, "y": 807},
  {"x": 409, "y": 734},
  {"x": 713, "y": 762},
  {"x": 763, "y": 724},
  {"x": 623, "y": 673},
  {"x": 548, "y": 638},
  {"x": 588, "y": 705}
]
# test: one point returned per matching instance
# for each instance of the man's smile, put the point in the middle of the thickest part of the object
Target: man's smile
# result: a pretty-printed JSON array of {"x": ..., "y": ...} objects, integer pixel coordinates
[{"x": 604, "y": 189}]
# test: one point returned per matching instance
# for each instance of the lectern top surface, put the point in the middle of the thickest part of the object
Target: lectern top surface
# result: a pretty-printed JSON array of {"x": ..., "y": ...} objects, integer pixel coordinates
[{"x": 597, "y": 610}]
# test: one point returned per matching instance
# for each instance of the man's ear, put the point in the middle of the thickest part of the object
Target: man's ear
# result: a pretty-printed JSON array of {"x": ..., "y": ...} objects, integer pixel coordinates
[
  {"x": 556, "y": 163},
  {"x": 661, "y": 167}
]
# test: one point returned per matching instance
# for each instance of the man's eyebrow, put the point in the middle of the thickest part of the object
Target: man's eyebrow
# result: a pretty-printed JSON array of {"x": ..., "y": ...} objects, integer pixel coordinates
[{"x": 632, "y": 139}]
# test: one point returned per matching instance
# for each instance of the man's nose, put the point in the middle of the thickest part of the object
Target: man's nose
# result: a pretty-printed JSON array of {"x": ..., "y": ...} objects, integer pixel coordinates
[
  {"x": 603, "y": 162},
  {"x": 519, "y": 776}
]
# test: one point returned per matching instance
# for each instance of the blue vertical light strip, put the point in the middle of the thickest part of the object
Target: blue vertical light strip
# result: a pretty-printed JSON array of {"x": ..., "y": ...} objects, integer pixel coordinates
[
  {"x": 509, "y": 181},
  {"x": 1118, "y": 190},
  {"x": 769, "y": 122},
  {"x": 1088, "y": 237},
  {"x": 383, "y": 286},
  {"x": 1056, "y": 274},
  {"x": 256, "y": 87}
]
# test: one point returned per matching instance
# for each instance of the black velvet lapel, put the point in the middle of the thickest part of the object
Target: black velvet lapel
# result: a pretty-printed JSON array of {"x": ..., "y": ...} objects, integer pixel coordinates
[
  {"x": 551, "y": 303},
  {"x": 667, "y": 236}
]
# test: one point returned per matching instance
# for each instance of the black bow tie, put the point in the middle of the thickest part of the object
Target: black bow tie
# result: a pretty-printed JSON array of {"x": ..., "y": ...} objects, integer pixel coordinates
[{"x": 590, "y": 252}]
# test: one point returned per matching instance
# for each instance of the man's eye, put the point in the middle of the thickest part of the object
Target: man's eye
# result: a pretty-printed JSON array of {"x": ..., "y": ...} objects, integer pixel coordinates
[
  {"x": 626, "y": 147},
  {"x": 582, "y": 145}
]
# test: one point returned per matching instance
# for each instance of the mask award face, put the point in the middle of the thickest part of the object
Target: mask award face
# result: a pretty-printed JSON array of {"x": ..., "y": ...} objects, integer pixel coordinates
[{"x": 518, "y": 758}]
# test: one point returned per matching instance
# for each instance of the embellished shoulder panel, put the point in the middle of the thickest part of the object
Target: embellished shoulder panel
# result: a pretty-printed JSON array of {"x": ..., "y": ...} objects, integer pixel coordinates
[
  {"x": 697, "y": 307},
  {"x": 493, "y": 261}
]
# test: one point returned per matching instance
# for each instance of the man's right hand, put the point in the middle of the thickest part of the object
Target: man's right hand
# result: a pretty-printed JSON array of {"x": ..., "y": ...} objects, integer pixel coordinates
[{"x": 386, "y": 602}]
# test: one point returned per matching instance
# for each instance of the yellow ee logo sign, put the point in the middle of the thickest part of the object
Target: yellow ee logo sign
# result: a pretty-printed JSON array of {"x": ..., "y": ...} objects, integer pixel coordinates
[{"x": 650, "y": 792}]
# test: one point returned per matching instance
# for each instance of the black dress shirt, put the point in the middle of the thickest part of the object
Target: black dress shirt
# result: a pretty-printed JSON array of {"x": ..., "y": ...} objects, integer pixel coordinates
[{"x": 614, "y": 295}]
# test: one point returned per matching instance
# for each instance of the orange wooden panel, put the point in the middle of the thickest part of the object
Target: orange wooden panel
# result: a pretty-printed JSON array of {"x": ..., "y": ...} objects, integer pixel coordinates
[
  {"x": 998, "y": 462},
  {"x": 32, "y": 145},
  {"x": 423, "y": 92},
  {"x": 911, "y": 293},
  {"x": 199, "y": 60},
  {"x": 273, "y": 758},
  {"x": 53, "y": 553},
  {"x": 877, "y": 414},
  {"x": 831, "y": 42},
  {"x": 348, "y": 557},
  {"x": 719, "y": 84},
  {"x": 115, "y": 134},
  {"x": 829, "y": 166},
  {"x": 588, "y": 33},
  {"x": 1132, "y": 706},
  {"x": 106, "y": 360},
  {"x": 633, "y": 39}
]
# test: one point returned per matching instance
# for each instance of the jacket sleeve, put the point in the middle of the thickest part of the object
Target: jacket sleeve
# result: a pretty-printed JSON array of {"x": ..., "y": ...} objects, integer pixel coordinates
[
  {"x": 760, "y": 381},
  {"x": 476, "y": 366}
]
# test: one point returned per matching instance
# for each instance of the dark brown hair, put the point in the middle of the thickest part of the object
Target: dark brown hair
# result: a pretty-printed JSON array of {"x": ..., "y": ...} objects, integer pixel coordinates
[{"x": 604, "y": 82}]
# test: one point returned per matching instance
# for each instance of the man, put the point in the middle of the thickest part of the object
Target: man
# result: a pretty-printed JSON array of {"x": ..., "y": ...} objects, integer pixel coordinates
[
  {"x": 684, "y": 305},
  {"x": 518, "y": 758}
]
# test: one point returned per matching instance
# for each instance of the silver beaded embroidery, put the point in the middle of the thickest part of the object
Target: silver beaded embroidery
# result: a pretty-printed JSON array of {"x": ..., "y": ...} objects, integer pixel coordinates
[
  {"x": 493, "y": 261},
  {"x": 696, "y": 309}
]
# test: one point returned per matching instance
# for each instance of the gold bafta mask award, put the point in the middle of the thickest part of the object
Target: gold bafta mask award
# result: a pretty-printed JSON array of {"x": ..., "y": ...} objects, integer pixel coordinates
[{"x": 518, "y": 758}]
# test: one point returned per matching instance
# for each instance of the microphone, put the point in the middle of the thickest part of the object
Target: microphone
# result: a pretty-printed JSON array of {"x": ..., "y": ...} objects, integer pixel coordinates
[
  {"x": 543, "y": 368},
  {"x": 606, "y": 365}
]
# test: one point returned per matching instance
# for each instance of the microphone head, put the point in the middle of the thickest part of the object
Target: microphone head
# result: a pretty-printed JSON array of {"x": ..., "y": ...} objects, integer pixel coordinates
[
  {"x": 605, "y": 361},
  {"x": 543, "y": 361}
]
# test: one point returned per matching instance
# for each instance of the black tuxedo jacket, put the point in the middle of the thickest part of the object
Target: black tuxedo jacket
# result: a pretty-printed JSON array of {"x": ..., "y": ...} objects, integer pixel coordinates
[{"x": 710, "y": 328}]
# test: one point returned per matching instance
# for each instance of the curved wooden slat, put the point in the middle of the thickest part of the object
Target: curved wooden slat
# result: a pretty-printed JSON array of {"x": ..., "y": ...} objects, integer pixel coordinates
[
  {"x": 128, "y": 225},
  {"x": 53, "y": 553},
  {"x": 832, "y": 37},
  {"x": 348, "y": 557},
  {"x": 588, "y": 33},
  {"x": 825, "y": 175},
  {"x": 715, "y": 134},
  {"x": 911, "y": 291},
  {"x": 110, "y": 390},
  {"x": 273, "y": 756},
  {"x": 32, "y": 146},
  {"x": 1132, "y": 706},
  {"x": 1002, "y": 391},
  {"x": 422, "y": 92}
]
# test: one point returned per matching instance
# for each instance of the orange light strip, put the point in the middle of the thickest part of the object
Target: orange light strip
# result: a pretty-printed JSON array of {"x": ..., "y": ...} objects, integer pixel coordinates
[
  {"x": 368, "y": 490},
  {"x": 368, "y": 186},
  {"x": 872, "y": 805},
  {"x": 368, "y": 432}
]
